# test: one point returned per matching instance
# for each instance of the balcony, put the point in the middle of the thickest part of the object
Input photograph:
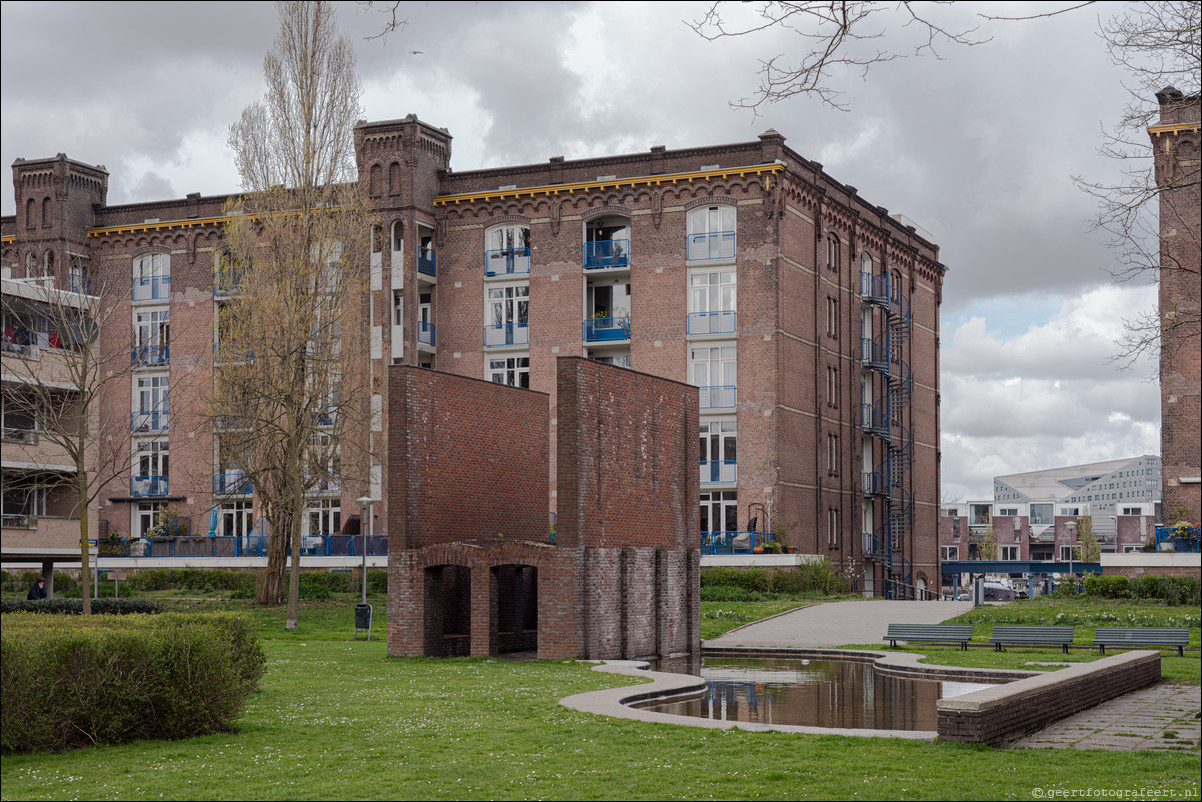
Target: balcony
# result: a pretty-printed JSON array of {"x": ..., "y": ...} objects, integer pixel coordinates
[
  {"x": 718, "y": 396},
  {"x": 425, "y": 333},
  {"x": 152, "y": 288},
  {"x": 331, "y": 484},
  {"x": 721, "y": 321},
  {"x": 150, "y": 355},
  {"x": 719, "y": 471},
  {"x": 18, "y": 521},
  {"x": 874, "y": 420},
  {"x": 874, "y": 289},
  {"x": 232, "y": 353},
  {"x": 77, "y": 282},
  {"x": 427, "y": 267},
  {"x": 151, "y": 421},
  {"x": 711, "y": 246},
  {"x": 606, "y": 253},
  {"x": 231, "y": 483},
  {"x": 734, "y": 542},
  {"x": 148, "y": 486},
  {"x": 606, "y": 329},
  {"x": 507, "y": 334},
  {"x": 19, "y": 434},
  {"x": 507, "y": 261},
  {"x": 227, "y": 282}
]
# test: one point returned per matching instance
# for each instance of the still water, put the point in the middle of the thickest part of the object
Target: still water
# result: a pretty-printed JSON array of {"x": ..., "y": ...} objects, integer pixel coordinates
[{"x": 810, "y": 693}]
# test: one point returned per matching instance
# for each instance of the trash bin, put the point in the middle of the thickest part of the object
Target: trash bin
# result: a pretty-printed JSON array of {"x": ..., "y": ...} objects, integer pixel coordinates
[{"x": 363, "y": 619}]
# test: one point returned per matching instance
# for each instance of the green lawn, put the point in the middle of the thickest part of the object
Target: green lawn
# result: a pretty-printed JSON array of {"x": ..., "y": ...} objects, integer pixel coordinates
[{"x": 337, "y": 718}]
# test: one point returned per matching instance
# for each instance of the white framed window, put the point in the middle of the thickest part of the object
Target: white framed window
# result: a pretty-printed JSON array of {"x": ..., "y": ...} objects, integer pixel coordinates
[
  {"x": 720, "y": 511},
  {"x": 832, "y": 454},
  {"x": 1008, "y": 553},
  {"x": 832, "y": 386},
  {"x": 235, "y": 518},
  {"x": 325, "y": 517},
  {"x": 1008, "y": 512},
  {"x": 144, "y": 517},
  {"x": 712, "y": 302},
  {"x": 719, "y": 450},
  {"x": 152, "y": 277},
  {"x": 151, "y": 468},
  {"x": 152, "y": 336},
  {"x": 832, "y": 251},
  {"x": 513, "y": 371},
  {"x": 507, "y": 313},
  {"x": 832, "y": 528},
  {"x": 712, "y": 368},
  {"x": 1067, "y": 554},
  {"x": 711, "y": 233},
  {"x": 507, "y": 249},
  {"x": 832, "y": 316},
  {"x": 151, "y": 406},
  {"x": 949, "y": 553}
]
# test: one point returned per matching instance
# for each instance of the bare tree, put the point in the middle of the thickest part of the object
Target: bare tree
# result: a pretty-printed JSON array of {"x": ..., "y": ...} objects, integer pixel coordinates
[
  {"x": 290, "y": 373},
  {"x": 57, "y": 371}
]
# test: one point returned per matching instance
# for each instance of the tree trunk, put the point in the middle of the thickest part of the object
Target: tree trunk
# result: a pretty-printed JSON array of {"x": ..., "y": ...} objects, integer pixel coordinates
[
  {"x": 85, "y": 572},
  {"x": 272, "y": 591}
]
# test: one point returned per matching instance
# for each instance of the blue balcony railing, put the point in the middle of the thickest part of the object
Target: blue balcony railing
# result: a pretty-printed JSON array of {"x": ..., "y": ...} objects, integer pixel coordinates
[
  {"x": 719, "y": 470},
  {"x": 232, "y": 352},
  {"x": 507, "y": 334},
  {"x": 226, "y": 282},
  {"x": 425, "y": 332},
  {"x": 151, "y": 421},
  {"x": 734, "y": 542},
  {"x": 231, "y": 483},
  {"x": 714, "y": 245},
  {"x": 150, "y": 355},
  {"x": 426, "y": 263},
  {"x": 152, "y": 288},
  {"x": 254, "y": 546},
  {"x": 505, "y": 261},
  {"x": 148, "y": 485},
  {"x": 718, "y": 396},
  {"x": 607, "y": 253},
  {"x": 721, "y": 321},
  {"x": 77, "y": 282},
  {"x": 606, "y": 329}
]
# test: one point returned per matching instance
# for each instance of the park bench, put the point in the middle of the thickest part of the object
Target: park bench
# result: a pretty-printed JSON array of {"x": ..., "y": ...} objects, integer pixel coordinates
[
  {"x": 1141, "y": 636},
  {"x": 930, "y": 633},
  {"x": 1031, "y": 636}
]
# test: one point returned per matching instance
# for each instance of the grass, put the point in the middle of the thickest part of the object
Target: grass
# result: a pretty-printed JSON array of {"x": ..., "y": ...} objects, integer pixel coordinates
[
  {"x": 718, "y": 618},
  {"x": 337, "y": 718}
]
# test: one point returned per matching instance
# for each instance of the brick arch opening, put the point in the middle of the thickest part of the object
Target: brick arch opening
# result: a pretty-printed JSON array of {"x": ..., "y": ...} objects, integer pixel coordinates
[
  {"x": 513, "y": 609},
  {"x": 448, "y": 611}
]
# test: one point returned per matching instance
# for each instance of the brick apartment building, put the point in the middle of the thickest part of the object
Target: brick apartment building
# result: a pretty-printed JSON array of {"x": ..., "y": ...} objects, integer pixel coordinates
[
  {"x": 1175, "y": 146},
  {"x": 807, "y": 317}
]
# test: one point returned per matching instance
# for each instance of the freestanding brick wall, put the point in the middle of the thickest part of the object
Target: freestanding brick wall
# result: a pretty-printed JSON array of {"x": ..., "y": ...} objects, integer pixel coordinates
[{"x": 469, "y": 556}]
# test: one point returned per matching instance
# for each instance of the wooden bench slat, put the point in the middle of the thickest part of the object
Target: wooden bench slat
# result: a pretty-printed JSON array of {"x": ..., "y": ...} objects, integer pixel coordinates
[
  {"x": 934, "y": 633},
  {"x": 1141, "y": 636},
  {"x": 1031, "y": 635}
]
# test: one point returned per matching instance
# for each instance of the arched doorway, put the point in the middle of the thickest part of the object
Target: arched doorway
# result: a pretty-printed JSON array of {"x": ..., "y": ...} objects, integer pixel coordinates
[{"x": 448, "y": 624}]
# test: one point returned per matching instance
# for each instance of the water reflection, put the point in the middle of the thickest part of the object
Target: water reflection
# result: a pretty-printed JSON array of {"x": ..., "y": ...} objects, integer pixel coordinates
[{"x": 811, "y": 693}]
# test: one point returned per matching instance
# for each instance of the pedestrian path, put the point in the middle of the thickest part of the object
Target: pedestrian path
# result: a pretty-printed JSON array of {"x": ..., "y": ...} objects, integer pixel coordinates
[{"x": 839, "y": 623}]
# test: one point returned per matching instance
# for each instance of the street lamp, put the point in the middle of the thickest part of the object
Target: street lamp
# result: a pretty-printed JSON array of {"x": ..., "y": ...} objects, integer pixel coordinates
[{"x": 363, "y": 611}]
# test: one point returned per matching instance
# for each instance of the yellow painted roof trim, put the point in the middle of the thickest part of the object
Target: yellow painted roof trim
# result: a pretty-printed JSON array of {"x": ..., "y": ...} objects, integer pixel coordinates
[
  {"x": 8, "y": 239},
  {"x": 613, "y": 183},
  {"x": 163, "y": 225},
  {"x": 1173, "y": 128}
]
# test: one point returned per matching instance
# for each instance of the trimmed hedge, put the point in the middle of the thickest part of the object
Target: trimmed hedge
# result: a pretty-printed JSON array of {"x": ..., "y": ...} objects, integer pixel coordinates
[
  {"x": 747, "y": 584},
  {"x": 1173, "y": 590},
  {"x": 70, "y": 682},
  {"x": 75, "y": 606}
]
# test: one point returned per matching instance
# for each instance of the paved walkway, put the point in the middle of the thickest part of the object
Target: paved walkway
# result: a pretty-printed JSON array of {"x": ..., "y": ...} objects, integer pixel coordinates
[
  {"x": 1161, "y": 717},
  {"x": 840, "y": 623}
]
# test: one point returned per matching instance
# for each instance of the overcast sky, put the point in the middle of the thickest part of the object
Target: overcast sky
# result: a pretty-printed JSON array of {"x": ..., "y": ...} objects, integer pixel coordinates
[{"x": 979, "y": 148}]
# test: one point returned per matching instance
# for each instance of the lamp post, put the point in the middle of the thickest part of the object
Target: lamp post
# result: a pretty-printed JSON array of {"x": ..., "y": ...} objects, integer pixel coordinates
[{"x": 365, "y": 503}]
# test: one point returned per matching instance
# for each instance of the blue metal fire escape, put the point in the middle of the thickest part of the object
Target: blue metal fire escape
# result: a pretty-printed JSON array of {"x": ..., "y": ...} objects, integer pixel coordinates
[{"x": 882, "y": 420}]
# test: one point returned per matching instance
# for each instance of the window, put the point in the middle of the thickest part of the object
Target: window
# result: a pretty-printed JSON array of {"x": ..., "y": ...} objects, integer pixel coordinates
[
  {"x": 866, "y": 263},
  {"x": 144, "y": 518},
  {"x": 150, "y": 403},
  {"x": 832, "y": 454},
  {"x": 398, "y": 241},
  {"x": 718, "y": 451},
  {"x": 235, "y": 519},
  {"x": 1008, "y": 553},
  {"x": 398, "y": 309},
  {"x": 507, "y": 311},
  {"x": 832, "y": 251},
  {"x": 712, "y": 302},
  {"x": 513, "y": 371},
  {"x": 152, "y": 277},
  {"x": 152, "y": 336},
  {"x": 711, "y": 233},
  {"x": 832, "y": 528},
  {"x": 1067, "y": 554},
  {"x": 507, "y": 250},
  {"x": 1041, "y": 515},
  {"x": 720, "y": 511},
  {"x": 77, "y": 278},
  {"x": 832, "y": 386},
  {"x": 325, "y": 517},
  {"x": 712, "y": 369},
  {"x": 832, "y": 316},
  {"x": 949, "y": 553},
  {"x": 150, "y": 468},
  {"x": 980, "y": 514},
  {"x": 950, "y": 512},
  {"x": 1010, "y": 512},
  {"x": 606, "y": 242}
]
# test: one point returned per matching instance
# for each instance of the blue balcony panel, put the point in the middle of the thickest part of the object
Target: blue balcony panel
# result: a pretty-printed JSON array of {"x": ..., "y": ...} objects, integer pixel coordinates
[
  {"x": 148, "y": 485},
  {"x": 719, "y": 470},
  {"x": 152, "y": 288},
  {"x": 425, "y": 332},
  {"x": 426, "y": 263},
  {"x": 507, "y": 334},
  {"x": 606, "y": 329},
  {"x": 149, "y": 355},
  {"x": 152, "y": 421},
  {"x": 231, "y": 483},
  {"x": 606, "y": 253},
  {"x": 506, "y": 261}
]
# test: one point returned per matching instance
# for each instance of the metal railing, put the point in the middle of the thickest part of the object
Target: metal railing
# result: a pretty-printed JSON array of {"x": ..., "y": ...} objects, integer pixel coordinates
[
  {"x": 18, "y": 521},
  {"x": 226, "y": 282},
  {"x": 507, "y": 334},
  {"x": 232, "y": 352},
  {"x": 249, "y": 546},
  {"x": 719, "y": 470},
  {"x": 150, "y": 421},
  {"x": 721, "y": 321},
  {"x": 231, "y": 483},
  {"x": 1170, "y": 536},
  {"x": 733, "y": 542},
  {"x": 148, "y": 485},
  {"x": 605, "y": 329},
  {"x": 152, "y": 288},
  {"x": 147, "y": 355},
  {"x": 425, "y": 332},
  {"x": 717, "y": 396},
  {"x": 426, "y": 263},
  {"x": 77, "y": 282},
  {"x": 15, "y": 434},
  {"x": 506, "y": 261},
  {"x": 607, "y": 253},
  {"x": 713, "y": 245}
]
